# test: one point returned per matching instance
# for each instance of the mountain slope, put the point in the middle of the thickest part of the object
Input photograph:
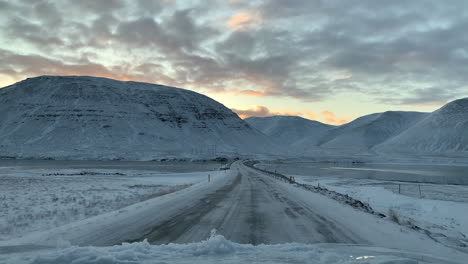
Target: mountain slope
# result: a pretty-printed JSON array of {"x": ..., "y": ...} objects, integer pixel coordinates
[
  {"x": 295, "y": 133},
  {"x": 79, "y": 117},
  {"x": 368, "y": 131},
  {"x": 443, "y": 131}
]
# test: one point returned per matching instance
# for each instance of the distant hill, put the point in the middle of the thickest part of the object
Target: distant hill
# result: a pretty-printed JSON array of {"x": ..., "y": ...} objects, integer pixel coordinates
[
  {"x": 368, "y": 131},
  {"x": 296, "y": 134},
  {"x": 79, "y": 117},
  {"x": 443, "y": 131}
]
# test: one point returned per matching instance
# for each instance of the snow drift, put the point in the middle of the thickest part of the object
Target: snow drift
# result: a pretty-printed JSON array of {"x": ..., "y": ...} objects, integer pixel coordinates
[
  {"x": 217, "y": 249},
  {"x": 78, "y": 117}
]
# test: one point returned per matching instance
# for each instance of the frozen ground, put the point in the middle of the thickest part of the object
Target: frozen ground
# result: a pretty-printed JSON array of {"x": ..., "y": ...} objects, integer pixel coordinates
[
  {"x": 34, "y": 196},
  {"x": 400, "y": 192}
]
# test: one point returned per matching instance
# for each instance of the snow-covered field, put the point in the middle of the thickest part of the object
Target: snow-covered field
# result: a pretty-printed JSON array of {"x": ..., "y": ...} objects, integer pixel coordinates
[
  {"x": 34, "y": 198},
  {"x": 437, "y": 207}
]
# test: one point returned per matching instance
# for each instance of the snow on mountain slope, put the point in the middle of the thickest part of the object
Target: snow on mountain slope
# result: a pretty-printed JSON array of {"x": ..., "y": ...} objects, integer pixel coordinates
[
  {"x": 443, "y": 131},
  {"x": 296, "y": 133},
  {"x": 288, "y": 129},
  {"x": 370, "y": 130},
  {"x": 79, "y": 117}
]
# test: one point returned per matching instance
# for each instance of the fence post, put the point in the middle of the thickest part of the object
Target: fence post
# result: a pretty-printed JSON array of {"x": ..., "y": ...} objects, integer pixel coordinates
[
  {"x": 419, "y": 186},
  {"x": 399, "y": 188}
]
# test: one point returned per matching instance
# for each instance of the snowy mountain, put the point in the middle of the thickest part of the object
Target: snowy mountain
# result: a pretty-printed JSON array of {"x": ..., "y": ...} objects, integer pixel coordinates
[
  {"x": 77, "y": 117},
  {"x": 443, "y": 131},
  {"x": 294, "y": 133},
  {"x": 368, "y": 131},
  {"x": 289, "y": 129}
]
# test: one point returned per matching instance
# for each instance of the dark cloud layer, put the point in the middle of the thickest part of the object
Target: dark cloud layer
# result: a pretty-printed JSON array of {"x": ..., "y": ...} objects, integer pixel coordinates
[{"x": 394, "y": 52}]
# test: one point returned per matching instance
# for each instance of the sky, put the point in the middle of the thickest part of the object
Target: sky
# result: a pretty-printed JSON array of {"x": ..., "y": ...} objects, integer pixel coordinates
[{"x": 325, "y": 60}]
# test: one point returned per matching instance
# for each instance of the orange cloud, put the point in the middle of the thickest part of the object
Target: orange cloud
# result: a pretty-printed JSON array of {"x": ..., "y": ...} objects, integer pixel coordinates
[
  {"x": 330, "y": 118},
  {"x": 327, "y": 114},
  {"x": 262, "y": 111},
  {"x": 243, "y": 20},
  {"x": 256, "y": 110},
  {"x": 248, "y": 92},
  {"x": 309, "y": 115}
]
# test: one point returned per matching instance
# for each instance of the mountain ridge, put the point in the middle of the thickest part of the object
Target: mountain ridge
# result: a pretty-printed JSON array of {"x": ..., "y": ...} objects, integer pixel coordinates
[
  {"x": 367, "y": 131},
  {"x": 442, "y": 131}
]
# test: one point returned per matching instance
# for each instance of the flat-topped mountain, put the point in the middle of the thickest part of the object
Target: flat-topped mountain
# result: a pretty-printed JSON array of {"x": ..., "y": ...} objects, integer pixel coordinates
[{"x": 80, "y": 117}]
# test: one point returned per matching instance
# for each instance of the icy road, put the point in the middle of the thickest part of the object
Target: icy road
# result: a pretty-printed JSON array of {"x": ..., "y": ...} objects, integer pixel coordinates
[{"x": 251, "y": 209}]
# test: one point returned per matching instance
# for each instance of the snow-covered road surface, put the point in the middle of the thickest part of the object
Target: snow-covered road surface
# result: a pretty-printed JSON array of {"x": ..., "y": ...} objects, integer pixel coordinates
[{"x": 251, "y": 209}]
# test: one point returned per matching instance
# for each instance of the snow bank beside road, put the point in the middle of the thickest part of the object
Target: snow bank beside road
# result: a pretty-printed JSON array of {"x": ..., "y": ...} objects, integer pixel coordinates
[
  {"x": 446, "y": 220},
  {"x": 217, "y": 249}
]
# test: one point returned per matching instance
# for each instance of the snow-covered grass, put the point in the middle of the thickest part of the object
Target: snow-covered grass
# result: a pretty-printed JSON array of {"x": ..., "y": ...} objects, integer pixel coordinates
[
  {"x": 40, "y": 199},
  {"x": 217, "y": 249},
  {"x": 446, "y": 220},
  {"x": 443, "y": 192}
]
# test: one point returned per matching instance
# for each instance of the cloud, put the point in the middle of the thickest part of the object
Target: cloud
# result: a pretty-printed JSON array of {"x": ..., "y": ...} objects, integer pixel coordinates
[
  {"x": 310, "y": 115},
  {"x": 142, "y": 32},
  {"x": 98, "y": 6},
  {"x": 262, "y": 111},
  {"x": 32, "y": 33},
  {"x": 330, "y": 118},
  {"x": 425, "y": 96},
  {"x": 387, "y": 52},
  {"x": 20, "y": 65},
  {"x": 257, "y": 110},
  {"x": 151, "y": 7},
  {"x": 324, "y": 116},
  {"x": 244, "y": 20},
  {"x": 249, "y": 93},
  {"x": 16, "y": 66}
]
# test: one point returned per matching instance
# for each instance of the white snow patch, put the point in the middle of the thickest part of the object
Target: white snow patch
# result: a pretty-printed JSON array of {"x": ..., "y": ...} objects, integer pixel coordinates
[
  {"x": 447, "y": 218},
  {"x": 217, "y": 249},
  {"x": 40, "y": 199}
]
